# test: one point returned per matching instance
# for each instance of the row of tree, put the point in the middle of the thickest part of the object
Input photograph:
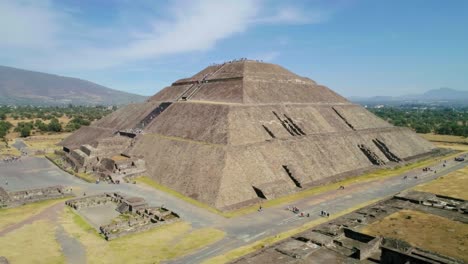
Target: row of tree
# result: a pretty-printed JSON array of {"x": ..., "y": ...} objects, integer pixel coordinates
[
  {"x": 46, "y": 119},
  {"x": 48, "y": 113},
  {"x": 446, "y": 121}
]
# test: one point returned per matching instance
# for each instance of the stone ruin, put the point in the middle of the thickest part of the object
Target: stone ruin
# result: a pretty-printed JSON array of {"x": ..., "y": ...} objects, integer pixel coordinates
[
  {"x": 105, "y": 161},
  {"x": 135, "y": 214},
  {"x": 339, "y": 240},
  {"x": 4, "y": 260},
  {"x": 17, "y": 198},
  {"x": 240, "y": 132}
]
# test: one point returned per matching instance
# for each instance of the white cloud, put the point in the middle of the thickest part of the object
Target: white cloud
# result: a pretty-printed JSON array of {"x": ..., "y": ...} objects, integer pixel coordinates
[
  {"x": 189, "y": 26},
  {"x": 294, "y": 15},
  {"x": 28, "y": 24}
]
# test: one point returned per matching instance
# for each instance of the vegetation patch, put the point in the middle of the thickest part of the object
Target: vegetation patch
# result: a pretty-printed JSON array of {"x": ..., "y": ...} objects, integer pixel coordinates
[
  {"x": 426, "y": 231},
  {"x": 445, "y": 138},
  {"x": 442, "y": 121},
  {"x": 454, "y": 184},
  {"x": 34, "y": 243},
  {"x": 6, "y": 150},
  {"x": 24, "y": 121},
  {"x": 45, "y": 143}
]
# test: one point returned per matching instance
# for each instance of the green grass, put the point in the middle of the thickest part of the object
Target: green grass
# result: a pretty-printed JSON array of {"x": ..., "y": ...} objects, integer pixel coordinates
[{"x": 82, "y": 223}]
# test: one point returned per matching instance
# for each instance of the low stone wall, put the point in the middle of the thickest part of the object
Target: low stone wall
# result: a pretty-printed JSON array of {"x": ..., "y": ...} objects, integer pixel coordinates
[
  {"x": 136, "y": 216},
  {"x": 89, "y": 201},
  {"x": 12, "y": 199},
  {"x": 136, "y": 229}
]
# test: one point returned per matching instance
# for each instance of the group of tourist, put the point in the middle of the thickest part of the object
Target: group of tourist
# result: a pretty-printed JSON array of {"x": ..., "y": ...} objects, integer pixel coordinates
[
  {"x": 235, "y": 60},
  {"x": 324, "y": 213}
]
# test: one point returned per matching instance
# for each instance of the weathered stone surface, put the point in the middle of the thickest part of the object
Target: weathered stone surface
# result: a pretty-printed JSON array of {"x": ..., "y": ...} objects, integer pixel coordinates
[{"x": 232, "y": 127}]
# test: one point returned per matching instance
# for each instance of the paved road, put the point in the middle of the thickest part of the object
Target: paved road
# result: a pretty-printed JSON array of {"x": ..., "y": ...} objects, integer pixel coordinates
[
  {"x": 250, "y": 228},
  {"x": 32, "y": 172}
]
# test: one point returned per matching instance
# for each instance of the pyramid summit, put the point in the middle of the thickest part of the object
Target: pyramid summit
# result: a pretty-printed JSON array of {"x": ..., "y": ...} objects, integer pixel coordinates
[{"x": 240, "y": 132}]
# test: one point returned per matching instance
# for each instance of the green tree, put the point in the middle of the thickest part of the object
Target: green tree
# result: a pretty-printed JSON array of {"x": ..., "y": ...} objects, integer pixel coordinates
[
  {"x": 54, "y": 125},
  {"x": 25, "y": 132}
]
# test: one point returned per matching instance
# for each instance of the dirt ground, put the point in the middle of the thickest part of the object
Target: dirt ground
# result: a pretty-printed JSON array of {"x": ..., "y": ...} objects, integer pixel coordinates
[{"x": 425, "y": 231}]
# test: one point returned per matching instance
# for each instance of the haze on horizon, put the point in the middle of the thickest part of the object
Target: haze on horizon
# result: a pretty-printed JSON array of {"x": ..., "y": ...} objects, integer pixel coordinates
[{"x": 356, "y": 47}]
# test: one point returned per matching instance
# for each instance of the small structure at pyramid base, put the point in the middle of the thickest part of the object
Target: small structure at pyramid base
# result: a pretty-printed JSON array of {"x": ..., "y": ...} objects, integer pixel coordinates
[{"x": 240, "y": 132}]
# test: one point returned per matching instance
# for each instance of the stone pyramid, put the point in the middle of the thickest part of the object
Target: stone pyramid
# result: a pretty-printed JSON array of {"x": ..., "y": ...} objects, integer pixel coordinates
[{"x": 236, "y": 133}]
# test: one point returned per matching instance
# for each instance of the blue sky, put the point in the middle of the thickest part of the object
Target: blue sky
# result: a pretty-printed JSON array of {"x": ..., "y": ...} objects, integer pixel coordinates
[{"x": 356, "y": 47}]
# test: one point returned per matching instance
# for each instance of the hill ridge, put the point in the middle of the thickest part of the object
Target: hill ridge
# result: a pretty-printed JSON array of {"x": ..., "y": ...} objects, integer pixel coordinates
[{"x": 28, "y": 87}]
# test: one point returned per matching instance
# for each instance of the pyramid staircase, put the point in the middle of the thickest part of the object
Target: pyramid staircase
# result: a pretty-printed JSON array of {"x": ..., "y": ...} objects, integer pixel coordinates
[{"x": 371, "y": 155}]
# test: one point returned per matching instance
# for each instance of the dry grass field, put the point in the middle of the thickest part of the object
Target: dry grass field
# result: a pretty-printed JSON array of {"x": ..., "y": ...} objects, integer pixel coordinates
[
  {"x": 32, "y": 243},
  {"x": 14, "y": 215},
  {"x": 454, "y": 185},
  {"x": 425, "y": 231},
  {"x": 46, "y": 143},
  {"x": 153, "y": 246},
  {"x": 445, "y": 138},
  {"x": 36, "y": 241},
  {"x": 7, "y": 149}
]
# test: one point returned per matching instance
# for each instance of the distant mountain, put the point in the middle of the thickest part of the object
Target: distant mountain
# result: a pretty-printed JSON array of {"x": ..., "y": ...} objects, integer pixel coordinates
[
  {"x": 441, "y": 95},
  {"x": 23, "y": 87}
]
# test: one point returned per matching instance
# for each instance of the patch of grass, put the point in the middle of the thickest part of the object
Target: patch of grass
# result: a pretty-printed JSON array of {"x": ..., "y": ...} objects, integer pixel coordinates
[
  {"x": 9, "y": 216},
  {"x": 34, "y": 243},
  {"x": 454, "y": 184},
  {"x": 455, "y": 146},
  {"x": 46, "y": 143},
  {"x": 148, "y": 181},
  {"x": 426, "y": 231},
  {"x": 247, "y": 249},
  {"x": 153, "y": 246},
  {"x": 7, "y": 149},
  {"x": 445, "y": 138},
  {"x": 79, "y": 221},
  {"x": 85, "y": 176}
]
